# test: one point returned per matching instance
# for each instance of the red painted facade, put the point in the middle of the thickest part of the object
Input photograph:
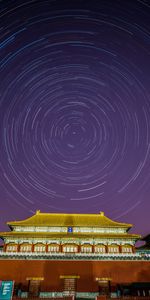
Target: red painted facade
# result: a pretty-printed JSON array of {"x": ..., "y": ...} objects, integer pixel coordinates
[{"x": 119, "y": 271}]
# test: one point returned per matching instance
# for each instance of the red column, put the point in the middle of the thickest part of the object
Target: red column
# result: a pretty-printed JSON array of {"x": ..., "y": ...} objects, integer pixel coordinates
[
  {"x": 106, "y": 247},
  {"x": 46, "y": 248},
  {"x": 93, "y": 248},
  {"x": 18, "y": 248},
  {"x": 60, "y": 248},
  {"x": 79, "y": 248},
  {"x": 4, "y": 247},
  {"x": 120, "y": 249},
  {"x": 133, "y": 249},
  {"x": 32, "y": 248}
]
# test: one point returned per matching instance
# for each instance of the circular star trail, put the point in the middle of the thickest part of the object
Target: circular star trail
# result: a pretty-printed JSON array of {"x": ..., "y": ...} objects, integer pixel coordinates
[{"x": 75, "y": 106}]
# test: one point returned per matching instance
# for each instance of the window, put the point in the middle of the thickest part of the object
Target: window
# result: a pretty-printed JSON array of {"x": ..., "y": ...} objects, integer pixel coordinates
[
  {"x": 39, "y": 248},
  {"x": 126, "y": 249},
  {"x": 70, "y": 248},
  {"x": 25, "y": 248},
  {"x": 113, "y": 249},
  {"x": 99, "y": 249},
  {"x": 86, "y": 249},
  {"x": 53, "y": 248},
  {"x": 11, "y": 248}
]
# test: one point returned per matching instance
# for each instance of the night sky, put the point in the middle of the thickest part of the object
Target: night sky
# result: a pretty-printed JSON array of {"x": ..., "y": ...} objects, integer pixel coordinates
[{"x": 75, "y": 109}]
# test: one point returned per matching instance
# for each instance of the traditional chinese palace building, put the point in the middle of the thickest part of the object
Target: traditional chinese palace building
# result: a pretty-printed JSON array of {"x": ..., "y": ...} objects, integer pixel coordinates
[
  {"x": 86, "y": 249},
  {"x": 69, "y": 233}
]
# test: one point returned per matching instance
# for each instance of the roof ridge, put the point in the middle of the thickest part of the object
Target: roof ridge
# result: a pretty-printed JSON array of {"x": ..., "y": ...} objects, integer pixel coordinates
[{"x": 57, "y": 213}]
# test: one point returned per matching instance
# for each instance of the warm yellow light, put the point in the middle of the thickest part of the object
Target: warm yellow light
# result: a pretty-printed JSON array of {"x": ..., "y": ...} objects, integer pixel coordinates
[{"x": 35, "y": 278}]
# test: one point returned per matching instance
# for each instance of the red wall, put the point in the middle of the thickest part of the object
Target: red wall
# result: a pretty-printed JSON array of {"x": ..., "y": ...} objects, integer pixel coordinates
[{"x": 119, "y": 271}]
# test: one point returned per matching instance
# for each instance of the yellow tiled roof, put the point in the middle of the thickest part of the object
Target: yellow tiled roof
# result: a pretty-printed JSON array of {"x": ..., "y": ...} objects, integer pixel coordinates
[
  {"x": 59, "y": 219},
  {"x": 67, "y": 235}
]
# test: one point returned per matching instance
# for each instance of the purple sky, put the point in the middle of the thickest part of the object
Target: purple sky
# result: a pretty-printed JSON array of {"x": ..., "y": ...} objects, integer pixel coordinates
[{"x": 75, "y": 109}]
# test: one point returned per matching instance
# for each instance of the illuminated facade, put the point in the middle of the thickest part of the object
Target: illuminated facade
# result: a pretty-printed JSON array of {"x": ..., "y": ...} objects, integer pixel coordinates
[
  {"x": 51, "y": 253},
  {"x": 49, "y": 233}
]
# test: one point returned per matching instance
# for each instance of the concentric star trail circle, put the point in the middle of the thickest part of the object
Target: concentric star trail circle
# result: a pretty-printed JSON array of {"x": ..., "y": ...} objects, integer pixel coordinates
[{"x": 75, "y": 105}]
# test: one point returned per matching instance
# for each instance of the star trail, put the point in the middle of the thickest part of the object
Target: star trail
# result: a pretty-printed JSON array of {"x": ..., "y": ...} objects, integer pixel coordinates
[{"x": 75, "y": 108}]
